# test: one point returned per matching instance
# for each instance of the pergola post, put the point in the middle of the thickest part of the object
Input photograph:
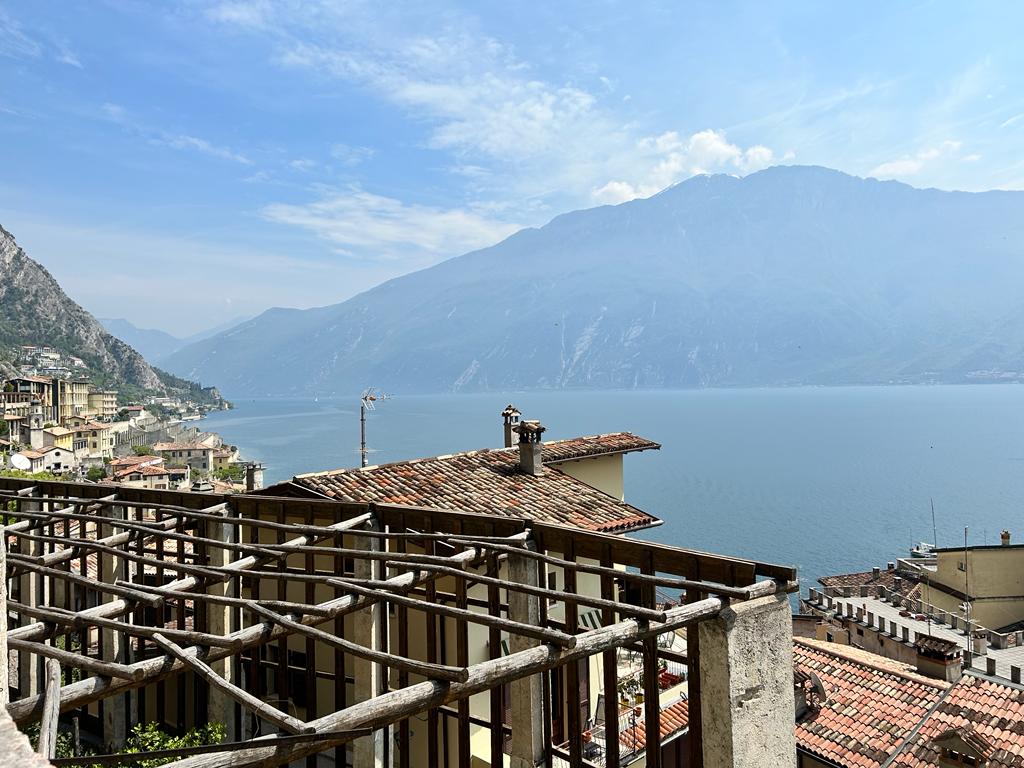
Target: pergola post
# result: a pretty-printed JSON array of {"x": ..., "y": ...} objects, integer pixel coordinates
[
  {"x": 114, "y": 643},
  {"x": 528, "y": 748},
  {"x": 220, "y": 706},
  {"x": 30, "y": 593},
  {"x": 5, "y": 682},
  {"x": 746, "y": 695},
  {"x": 369, "y": 677}
]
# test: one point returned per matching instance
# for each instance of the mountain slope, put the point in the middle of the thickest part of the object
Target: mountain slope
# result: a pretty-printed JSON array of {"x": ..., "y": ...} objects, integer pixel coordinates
[
  {"x": 35, "y": 310},
  {"x": 792, "y": 275},
  {"x": 150, "y": 342}
]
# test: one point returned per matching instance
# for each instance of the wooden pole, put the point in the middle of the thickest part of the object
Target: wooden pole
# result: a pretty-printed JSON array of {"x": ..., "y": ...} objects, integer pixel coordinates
[
  {"x": 5, "y": 681},
  {"x": 408, "y": 702},
  {"x": 51, "y": 711}
]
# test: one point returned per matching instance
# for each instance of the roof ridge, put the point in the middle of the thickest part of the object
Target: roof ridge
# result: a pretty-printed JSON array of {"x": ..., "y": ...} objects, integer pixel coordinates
[{"x": 905, "y": 674}]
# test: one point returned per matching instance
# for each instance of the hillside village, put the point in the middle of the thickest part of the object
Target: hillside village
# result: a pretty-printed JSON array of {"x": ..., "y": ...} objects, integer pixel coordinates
[{"x": 54, "y": 420}]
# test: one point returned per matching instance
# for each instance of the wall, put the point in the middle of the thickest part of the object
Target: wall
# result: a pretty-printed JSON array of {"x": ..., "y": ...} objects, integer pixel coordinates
[{"x": 601, "y": 472}]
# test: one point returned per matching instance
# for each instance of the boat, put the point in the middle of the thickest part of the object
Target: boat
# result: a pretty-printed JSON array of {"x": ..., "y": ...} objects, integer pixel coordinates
[{"x": 922, "y": 549}]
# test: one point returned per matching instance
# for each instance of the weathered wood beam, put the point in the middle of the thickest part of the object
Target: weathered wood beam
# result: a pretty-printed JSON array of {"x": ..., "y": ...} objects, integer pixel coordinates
[
  {"x": 77, "y": 660},
  {"x": 432, "y": 671},
  {"x": 47, "y": 745},
  {"x": 408, "y": 702},
  {"x": 562, "y": 639},
  {"x": 190, "y": 657}
]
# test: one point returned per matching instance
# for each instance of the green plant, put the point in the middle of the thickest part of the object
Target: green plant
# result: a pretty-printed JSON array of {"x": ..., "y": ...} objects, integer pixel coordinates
[
  {"x": 232, "y": 473},
  {"x": 149, "y": 738},
  {"x": 142, "y": 450},
  {"x": 95, "y": 474}
]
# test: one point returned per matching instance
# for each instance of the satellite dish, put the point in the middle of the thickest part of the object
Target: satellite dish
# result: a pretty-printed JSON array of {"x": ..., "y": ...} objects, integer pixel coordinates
[
  {"x": 818, "y": 688},
  {"x": 18, "y": 461}
]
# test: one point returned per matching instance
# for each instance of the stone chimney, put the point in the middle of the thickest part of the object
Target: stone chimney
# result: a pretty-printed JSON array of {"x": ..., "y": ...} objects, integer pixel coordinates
[
  {"x": 510, "y": 417},
  {"x": 1004, "y": 538},
  {"x": 938, "y": 658},
  {"x": 876, "y": 572},
  {"x": 531, "y": 461}
]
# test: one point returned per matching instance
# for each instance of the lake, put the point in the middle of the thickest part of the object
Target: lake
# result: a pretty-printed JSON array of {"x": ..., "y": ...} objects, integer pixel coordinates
[{"x": 827, "y": 479}]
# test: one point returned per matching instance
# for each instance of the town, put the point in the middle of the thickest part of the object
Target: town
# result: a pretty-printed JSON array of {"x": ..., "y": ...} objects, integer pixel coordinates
[{"x": 53, "y": 420}]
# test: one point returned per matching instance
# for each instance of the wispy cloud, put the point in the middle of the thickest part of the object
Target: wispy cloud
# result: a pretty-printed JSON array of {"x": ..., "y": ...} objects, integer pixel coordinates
[
  {"x": 351, "y": 156},
  {"x": 911, "y": 165},
  {"x": 121, "y": 116},
  {"x": 671, "y": 157},
  {"x": 374, "y": 227},
  {"x": 16, "y": 43}
]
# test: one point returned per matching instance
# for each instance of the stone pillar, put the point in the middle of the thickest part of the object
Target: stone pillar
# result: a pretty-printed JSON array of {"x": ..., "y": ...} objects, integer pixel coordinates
[
  {"x": 746, "y": 669},
  {"x": 527, "y": 693},
  {"x": 220, "y": 707},
  {"x": 114, "y": 644},
  {"x": 5, "y": 682},
  {"x": 369, "y": 678}
]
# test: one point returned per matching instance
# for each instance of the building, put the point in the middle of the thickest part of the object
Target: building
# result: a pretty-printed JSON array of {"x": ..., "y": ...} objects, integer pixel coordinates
[
  {"x": 60, "y": 437},
  {"x": 35, "y": 388},
  {"x": 382, "y": 665},
  {"x": 49, "y": 459},
  {"x": 70, "y": 399},
  {"x": 859, "y": 710},
  {"x": 92, "y": 437},
  {"x": 103, "y": 403},
  {"x": 198, "y": 457}
]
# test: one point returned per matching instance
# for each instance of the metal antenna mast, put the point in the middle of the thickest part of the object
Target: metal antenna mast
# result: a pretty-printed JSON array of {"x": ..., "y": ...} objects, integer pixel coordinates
[{"x": 366, "y": 404}]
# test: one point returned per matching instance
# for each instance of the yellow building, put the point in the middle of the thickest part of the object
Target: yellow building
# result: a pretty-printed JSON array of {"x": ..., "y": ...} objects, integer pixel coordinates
[
  {"x": 71, "y": 398},
  {"x": 991, "y": 578},
  {"x": 93, "y": 438},
  {"x": 60, "y": 437},
  {"x": 103, "y": 403}
]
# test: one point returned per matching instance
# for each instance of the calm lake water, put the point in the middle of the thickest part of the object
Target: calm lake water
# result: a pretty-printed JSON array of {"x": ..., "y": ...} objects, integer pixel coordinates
[{"x": 829, "y": 479}]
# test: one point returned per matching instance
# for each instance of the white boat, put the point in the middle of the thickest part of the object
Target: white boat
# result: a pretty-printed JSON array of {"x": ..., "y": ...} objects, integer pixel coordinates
[{"x": 923, "y": 549}]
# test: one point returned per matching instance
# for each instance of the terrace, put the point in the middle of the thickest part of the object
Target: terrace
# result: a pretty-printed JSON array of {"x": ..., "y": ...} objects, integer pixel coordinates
[{"x": 335, "y": 633}]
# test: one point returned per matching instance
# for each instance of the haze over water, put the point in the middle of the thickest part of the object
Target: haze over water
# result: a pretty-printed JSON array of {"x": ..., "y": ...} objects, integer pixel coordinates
[{"x": 827, "y": 479}]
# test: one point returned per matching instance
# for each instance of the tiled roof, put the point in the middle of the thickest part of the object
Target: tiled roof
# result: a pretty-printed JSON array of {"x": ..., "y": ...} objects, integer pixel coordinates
[
  {"x": 487, "y": 482},
  {"x": 556, "y": 451},
  {"x": 993, "y": 711},
  {"x": 885, "y": 579},
  {"x": 131, "y": 461},
  {"x": 181, "y": 447},
  {"x": 870, "y": 709},
  {"x": 674, "y": 718}
]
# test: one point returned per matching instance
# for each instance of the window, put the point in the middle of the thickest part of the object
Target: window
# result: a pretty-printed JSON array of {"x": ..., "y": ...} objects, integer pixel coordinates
[{"x": 951, "y": 757}]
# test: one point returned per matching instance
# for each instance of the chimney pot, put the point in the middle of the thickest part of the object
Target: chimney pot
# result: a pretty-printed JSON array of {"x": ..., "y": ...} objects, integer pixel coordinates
[
  {"x": 890, "y": 566},
  {"x": 876, "y": 572},
  {"x": 531, "y": 460},
  {"x": 1004, "y": 537},
  {"x": 510, "y": 419}
]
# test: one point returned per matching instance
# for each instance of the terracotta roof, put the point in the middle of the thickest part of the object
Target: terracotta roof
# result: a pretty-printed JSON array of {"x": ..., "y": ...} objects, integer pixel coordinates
[
  {"x": 59, "y": 431},
  {"x": 129, "y": 461},
  {"x": 869, "y": 711},
  {"x": 32, "y": 454},
  {"x": 990, "y": 713},
  {"x": 488, "y": 482},
  {"x": 181, "y": 447},
  {"x": 556, "y": 451},
  {"x": 674, "y": 718}
]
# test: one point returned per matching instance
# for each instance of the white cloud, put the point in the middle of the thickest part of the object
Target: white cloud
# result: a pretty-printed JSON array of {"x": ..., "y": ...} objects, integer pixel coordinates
[
  {"x": 911, "y": 165},
  {"x": 375, "y": 227},
  {"x": 14, "y": 42},
  {"x": 1011, "y": 121},
  {"x": 202, "y": 146},
  {"x": 351, "y": 156},
  {"x": 245, "y": 13},
  {"x": 302, "y": 164},
  {"x": 670, "y": 157}
]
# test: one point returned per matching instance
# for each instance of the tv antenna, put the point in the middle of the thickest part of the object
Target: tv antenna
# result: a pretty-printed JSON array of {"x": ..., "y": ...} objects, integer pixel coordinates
[{"x": 366, "y": 401}]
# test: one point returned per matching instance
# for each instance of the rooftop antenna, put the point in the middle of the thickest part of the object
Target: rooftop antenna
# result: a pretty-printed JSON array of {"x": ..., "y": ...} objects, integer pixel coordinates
[{"x": 366, "y": 401}]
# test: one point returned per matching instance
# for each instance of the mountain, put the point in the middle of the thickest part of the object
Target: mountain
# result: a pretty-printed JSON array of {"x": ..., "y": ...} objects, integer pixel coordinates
[
  {"x": 150, "y": 342},
  {"x": 155, "y": 344},
  {"x": 793, "y": 275},
  {"x": 35, "y": 310}
]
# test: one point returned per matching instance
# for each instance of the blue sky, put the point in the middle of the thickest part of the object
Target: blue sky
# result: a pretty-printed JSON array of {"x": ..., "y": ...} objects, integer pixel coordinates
[{"x": 181, "y": 164}]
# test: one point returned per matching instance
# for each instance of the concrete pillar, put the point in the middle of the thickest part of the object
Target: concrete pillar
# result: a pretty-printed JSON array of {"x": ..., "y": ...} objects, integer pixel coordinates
[
  {"x": 746, "y": 668},
  {"x": 5, "y": 683},
  {"x": 369, "y": 678},
  {"x": 115, "y": 645},
  {"x": 527, "y": 694},
  {"x": 220, "y": 707}
]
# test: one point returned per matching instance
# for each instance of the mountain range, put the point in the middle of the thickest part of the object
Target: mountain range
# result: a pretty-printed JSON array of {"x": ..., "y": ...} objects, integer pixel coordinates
[
  {"x": 790, "y": 276},
  {"x": 35, "y": 310},
  {"x": 155, "y": 344}
]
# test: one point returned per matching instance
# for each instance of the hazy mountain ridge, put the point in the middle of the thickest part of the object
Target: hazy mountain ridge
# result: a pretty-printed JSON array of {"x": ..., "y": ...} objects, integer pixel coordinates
[
  {"x": 35, "y": 310},
  {"x": 795, "y": 275},
  {"x": 155, "y": 344}
]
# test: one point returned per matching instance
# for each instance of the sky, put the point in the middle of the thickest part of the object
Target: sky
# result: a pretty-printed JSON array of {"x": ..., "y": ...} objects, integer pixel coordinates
[{"x": 181, "y": 164}]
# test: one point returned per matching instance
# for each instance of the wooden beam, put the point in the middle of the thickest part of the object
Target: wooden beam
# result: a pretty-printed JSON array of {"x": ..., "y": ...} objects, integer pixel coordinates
[
  {"x": 408, "y": 702},
  {"x": 190, "y": 657},
  {"x": 78, "y": 660},
  {"x": 432, "y": 671},
  {"x": 47, "y": 744}
]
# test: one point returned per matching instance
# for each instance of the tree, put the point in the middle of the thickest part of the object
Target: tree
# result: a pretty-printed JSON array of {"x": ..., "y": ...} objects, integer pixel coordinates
[
  {"x": 232, "y": 473},
  {"x": 142, "y": 450},
  {"x": 95, "y": 474},
  {"x": 148, "y": 738}
]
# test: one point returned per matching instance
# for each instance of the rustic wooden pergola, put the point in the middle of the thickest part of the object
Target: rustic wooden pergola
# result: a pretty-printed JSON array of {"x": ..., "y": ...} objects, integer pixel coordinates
[{"x": 130, "y": 591}]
